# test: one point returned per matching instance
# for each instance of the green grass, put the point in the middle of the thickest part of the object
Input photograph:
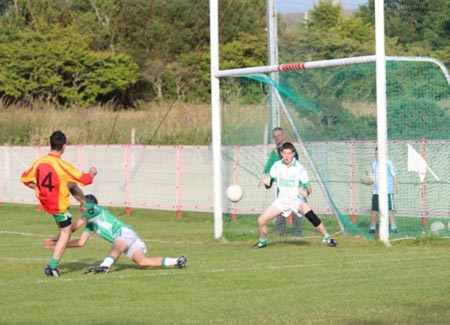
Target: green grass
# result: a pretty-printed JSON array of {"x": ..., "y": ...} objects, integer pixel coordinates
[{"x": 289, "y": 282}]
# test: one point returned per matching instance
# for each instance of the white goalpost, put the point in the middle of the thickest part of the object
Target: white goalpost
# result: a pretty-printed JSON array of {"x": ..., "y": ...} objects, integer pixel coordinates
[{"x": 215, "y": 115}]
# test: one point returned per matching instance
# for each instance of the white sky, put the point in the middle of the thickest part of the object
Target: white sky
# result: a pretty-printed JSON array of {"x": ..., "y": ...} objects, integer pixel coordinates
[{"x": 285, "y": 6}]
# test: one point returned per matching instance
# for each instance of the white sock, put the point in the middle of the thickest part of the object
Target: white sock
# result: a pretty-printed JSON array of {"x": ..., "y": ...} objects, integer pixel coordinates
[
  {"x": 169, "y": 261},
  {"x": 108, "y": 261}
]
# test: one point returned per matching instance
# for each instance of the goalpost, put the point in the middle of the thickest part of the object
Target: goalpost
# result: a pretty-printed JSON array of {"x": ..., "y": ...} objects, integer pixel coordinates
[{"x": 336, "y": 158}]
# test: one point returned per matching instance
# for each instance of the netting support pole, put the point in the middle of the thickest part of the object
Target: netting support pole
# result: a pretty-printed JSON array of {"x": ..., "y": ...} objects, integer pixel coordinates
[
  {"x": 272, "y": 54},
  {"x": 310, "y": 161},
  {"x": 215, "y": 117},
  {"x": 127, "y": 179},
  {"x": 353, "y": 181},
  {"x": 235, "y": 181},
  {"x": 178, "y": 213},
  {"x": 424, "y": 187}
]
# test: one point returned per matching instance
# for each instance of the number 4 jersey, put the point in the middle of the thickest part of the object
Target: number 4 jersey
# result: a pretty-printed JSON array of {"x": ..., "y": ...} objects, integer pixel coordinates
[{"x": 51, "y": 175}]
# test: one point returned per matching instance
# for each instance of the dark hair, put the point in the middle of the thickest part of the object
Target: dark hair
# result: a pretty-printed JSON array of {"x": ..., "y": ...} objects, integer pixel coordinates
[
  {"x": 288, "y": 145},
  {"x": 278, "y": 128},
  {"x": 90, "y": 198},
  {"x": 57, "y": 140}
]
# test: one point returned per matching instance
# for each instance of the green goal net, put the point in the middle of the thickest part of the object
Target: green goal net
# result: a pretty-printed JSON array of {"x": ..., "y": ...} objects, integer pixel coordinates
[{"x": 328, "y": 111}]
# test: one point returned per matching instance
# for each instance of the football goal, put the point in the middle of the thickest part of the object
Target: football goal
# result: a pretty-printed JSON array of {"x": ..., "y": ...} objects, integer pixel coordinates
[{"x": 328, "y": 109}]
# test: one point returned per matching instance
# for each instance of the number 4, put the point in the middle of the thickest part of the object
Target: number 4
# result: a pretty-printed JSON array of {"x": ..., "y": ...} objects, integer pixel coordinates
[{"x": 47, "y": 182}]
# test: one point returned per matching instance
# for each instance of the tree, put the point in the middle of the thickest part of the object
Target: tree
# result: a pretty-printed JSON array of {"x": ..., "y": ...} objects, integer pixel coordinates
[{"x": 56, "y": 65}]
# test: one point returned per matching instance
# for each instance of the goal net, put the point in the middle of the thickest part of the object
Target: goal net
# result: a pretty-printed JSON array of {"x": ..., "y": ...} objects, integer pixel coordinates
[{"x": 328, "y": 110}]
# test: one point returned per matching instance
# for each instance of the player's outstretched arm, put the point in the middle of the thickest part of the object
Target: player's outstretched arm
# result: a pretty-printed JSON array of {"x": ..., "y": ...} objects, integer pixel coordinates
[{"x": 79, "y": 223}]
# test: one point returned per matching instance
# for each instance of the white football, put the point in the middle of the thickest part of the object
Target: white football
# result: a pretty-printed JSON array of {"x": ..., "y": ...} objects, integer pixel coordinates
[
  {"x": 437, "y": 226},
  {"x": 234, "y": 193},
  {"x": 367, "y": 179}
]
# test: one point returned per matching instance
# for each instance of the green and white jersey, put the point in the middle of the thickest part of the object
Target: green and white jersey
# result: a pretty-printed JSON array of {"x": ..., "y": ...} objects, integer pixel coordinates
[
  {"x": 103, "y": 222},
  {"x": 289, "y": 179}
]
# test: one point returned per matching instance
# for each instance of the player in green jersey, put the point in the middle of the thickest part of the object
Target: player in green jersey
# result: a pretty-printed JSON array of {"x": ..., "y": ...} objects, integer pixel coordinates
[{"x": 123, "y": 237}]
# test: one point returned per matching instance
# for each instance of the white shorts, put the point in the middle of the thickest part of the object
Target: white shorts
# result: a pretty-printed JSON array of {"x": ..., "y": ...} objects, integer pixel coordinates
[
  {"x": 133, "y": 241},
  {"x": 288, "y": 207}
]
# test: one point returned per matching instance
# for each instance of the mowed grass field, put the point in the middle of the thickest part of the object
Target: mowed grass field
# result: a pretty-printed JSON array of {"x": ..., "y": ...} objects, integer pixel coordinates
[{"x": 289, "y": 282}]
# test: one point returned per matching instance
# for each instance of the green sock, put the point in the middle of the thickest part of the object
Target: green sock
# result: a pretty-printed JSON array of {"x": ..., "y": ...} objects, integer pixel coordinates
[
  {"x": 53, "y": 263},
  {"x": 327, "y": 237},
  {"x": 263, "y": 241}
]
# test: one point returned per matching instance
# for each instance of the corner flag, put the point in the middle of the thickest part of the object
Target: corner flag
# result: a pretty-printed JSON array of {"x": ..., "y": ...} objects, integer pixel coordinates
[{"x": 416, "y": 163}]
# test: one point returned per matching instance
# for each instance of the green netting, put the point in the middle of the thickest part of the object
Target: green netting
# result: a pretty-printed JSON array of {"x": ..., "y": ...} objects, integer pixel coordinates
[{"x": 332, "y": 112}]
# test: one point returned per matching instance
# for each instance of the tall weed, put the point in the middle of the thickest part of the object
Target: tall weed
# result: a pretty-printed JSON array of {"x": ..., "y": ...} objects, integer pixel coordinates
[{"x": 162, "y": 124}]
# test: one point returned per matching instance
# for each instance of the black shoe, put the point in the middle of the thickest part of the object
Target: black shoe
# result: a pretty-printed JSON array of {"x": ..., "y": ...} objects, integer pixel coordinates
[
  {"x": 97, "y": 269},
  {"x": 259, "y": 245},
  {"x": 331, "y": 242},
  {"x": 181, "y": 262},
  {"x": 51, "y": 272}
]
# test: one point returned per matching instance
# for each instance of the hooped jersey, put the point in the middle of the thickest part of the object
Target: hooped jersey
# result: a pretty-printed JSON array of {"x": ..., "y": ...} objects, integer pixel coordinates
[
  {"x": 102, "y": 222},
  {"x": 51, "y": 175},
  {"x": 289, "y": 178}
]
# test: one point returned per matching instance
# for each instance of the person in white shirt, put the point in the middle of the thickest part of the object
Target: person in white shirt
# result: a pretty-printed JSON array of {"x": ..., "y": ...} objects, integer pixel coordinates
[{"x": 292, "y": 179}]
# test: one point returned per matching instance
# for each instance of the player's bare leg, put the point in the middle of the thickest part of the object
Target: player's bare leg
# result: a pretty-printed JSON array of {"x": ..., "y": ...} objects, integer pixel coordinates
[
  {"x": 58, "y": 251},
  {"x": 392, "y": 222},
  {"x": 268, "y": 214},
  {"x": 118, "y": 248},
  {"x": 373, "y": 221},
  {"x": 141, "y": 259},
  {"x": 61, "y": 243}
]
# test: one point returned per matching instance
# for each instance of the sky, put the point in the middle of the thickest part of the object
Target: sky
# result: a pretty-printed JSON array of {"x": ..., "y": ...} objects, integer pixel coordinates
[{"x": 288, "y": 6}]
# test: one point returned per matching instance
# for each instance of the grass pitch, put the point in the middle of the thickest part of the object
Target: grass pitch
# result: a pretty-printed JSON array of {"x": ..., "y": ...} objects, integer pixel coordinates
[{"x": 290, "y": 282}]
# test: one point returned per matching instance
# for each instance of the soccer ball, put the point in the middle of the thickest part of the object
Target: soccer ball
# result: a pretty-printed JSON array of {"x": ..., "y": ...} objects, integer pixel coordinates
[
  {"x": 437, "y": 226},
  {"x": 367, "y": 179},
  {"x": 234, "y": 193}
]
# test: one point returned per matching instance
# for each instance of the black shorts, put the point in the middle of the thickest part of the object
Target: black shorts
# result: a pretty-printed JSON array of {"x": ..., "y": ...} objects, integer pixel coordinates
[{"x": 375, "y": 206}]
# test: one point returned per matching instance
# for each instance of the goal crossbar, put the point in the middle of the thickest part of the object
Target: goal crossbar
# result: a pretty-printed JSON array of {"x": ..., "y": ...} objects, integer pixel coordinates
[{"x": 327, "y": 63}]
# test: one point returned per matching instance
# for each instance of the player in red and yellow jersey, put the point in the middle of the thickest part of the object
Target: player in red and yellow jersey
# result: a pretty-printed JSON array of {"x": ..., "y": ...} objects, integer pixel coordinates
[{"x": 52, "y": 178}]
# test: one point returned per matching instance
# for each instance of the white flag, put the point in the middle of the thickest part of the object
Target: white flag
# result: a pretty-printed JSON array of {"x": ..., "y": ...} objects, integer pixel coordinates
[{"x": 417, "y": 164}]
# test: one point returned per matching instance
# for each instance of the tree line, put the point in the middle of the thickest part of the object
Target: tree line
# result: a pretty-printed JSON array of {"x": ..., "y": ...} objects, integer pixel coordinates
[{"x": 84, "y": 52}]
